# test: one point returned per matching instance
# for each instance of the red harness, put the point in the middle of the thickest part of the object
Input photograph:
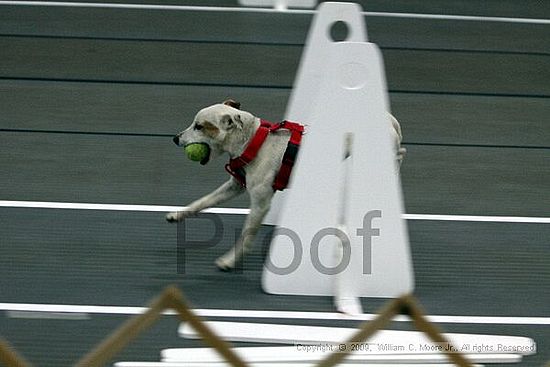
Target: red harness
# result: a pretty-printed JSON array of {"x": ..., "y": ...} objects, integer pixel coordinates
[{"x": 235, "y": 167}]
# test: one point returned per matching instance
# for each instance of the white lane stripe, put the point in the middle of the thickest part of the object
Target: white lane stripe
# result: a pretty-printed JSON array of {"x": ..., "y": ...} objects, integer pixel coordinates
[
  {"x": 270, "y": 10},
  {"x": 254, "y": 314},
  {"x": 41, "y": 315},
  {"x": 474, "y": 18},
  {"x": 243, "y": 211},
  {"x": 369, "y": 316},
  {"x": 477, "y": 218},
  {"x": 114, "y": 207}
]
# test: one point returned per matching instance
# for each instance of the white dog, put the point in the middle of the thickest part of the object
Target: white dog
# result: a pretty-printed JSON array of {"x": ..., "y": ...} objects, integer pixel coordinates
[{"x": 225, "y": 128}]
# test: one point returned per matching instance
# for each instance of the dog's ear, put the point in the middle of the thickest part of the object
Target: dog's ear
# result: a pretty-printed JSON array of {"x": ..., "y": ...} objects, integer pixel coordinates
[
  {"x": 232, "y": 103},
  {"x": 232, "y": 122}
]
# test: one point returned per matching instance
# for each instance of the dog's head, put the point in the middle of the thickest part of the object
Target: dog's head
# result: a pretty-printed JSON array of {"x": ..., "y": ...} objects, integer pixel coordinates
[{"x": 219, "y": 127}]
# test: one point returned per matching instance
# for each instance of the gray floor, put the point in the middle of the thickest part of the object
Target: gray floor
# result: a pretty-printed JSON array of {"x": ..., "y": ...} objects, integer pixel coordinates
[{"x": 90, "y": 98}]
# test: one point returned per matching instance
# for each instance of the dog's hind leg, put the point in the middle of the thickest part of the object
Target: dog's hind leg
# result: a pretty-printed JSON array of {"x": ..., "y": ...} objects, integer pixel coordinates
[
  {"x": 228, "y": 190},
  {"x": 258, "y": 210},
  {"x": 398, "y": 138}
]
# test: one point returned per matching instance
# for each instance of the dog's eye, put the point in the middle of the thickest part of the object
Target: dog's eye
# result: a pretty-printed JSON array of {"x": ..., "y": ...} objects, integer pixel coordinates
[{"x": 198, "y": 127}]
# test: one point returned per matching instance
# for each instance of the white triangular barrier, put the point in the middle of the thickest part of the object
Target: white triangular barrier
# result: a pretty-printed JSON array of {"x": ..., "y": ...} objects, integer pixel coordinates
[
  {"x": 312, "y": 69},
  {"x": 350, "y": 97}
]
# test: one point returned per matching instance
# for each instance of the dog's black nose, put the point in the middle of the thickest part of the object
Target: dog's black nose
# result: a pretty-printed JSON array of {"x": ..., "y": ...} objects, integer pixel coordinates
[{"x": 176, "y": 140}]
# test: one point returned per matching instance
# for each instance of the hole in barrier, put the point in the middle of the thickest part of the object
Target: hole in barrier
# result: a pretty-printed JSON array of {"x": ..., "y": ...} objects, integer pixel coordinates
[{"x": 339, "y": 31}]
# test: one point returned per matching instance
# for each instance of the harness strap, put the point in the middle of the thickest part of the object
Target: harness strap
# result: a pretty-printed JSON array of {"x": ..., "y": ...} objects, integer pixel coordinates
[
  {"x": 235, "y": 167},
  {"x": 289, "y": 157}
]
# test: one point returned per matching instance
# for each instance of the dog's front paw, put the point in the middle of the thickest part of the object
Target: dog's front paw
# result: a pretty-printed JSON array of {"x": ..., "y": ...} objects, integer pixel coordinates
[
  {"x": 172, "y": 217},
  {"x": 178, "y": 216},
  {"x": 226, "y": 263}
]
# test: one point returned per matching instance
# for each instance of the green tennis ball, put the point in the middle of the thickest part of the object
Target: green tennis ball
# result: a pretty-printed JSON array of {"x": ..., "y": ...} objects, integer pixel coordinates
[{"x": 197, "y": 151}]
